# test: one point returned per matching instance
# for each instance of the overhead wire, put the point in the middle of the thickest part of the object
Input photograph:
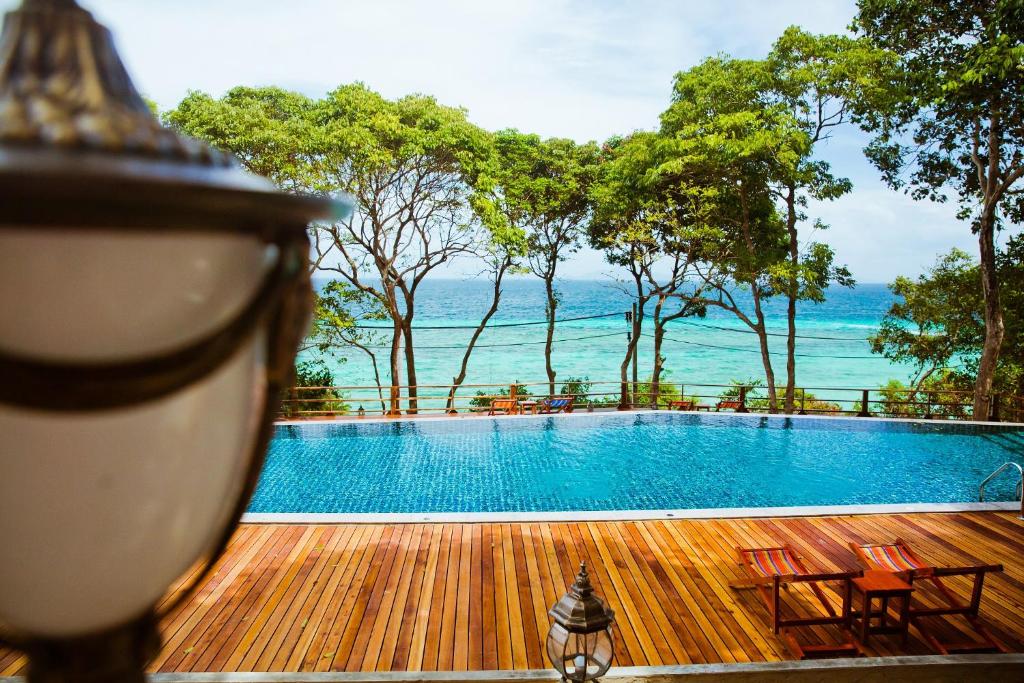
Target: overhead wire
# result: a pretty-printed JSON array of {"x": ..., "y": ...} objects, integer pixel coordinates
[
  {"x": 493, "y": 346},
  {"x": 473, "y": 327},
  {"x": 770, "y": 334},
  {"x": 606, "y": 315},
  {"x": 733, "y": 348}
]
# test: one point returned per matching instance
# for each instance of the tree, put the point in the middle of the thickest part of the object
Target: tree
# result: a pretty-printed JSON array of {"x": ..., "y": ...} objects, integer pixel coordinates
[
  {"x": 314, "y": 393},
  {"x": 936, "y": 319},
  {"x": 269, "y": 130},
  {"x": 636, "y": 222},
  {"x": 812, "y": 79},
  {"x": 543, "y": 187},
  {"x": 338, "y": 314},
  {"x": 949, "y": 117},
  {"x": 501, "y": 256},
  {"x": 721, "y": 147},
  {"x": 411, "y": 165},
  {"x": 938, "y": 325}
]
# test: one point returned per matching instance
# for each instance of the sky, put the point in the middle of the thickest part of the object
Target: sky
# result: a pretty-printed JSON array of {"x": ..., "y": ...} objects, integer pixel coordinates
[{"x": 565, "y": 68}]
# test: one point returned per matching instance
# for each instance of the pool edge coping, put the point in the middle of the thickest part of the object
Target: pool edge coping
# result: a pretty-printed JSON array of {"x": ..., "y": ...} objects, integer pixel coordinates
[
  {"x": 604, "y": 413},
  {"x": 619, "y": 515}
]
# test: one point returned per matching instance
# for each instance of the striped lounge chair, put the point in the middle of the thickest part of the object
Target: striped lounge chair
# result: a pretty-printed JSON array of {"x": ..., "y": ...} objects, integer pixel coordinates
[
  {"x": 899, "y": 558},
  {"x": 504, "y": 406},
  {"x": 557, "y": 404},
  {"x": 770, "y": 569}
]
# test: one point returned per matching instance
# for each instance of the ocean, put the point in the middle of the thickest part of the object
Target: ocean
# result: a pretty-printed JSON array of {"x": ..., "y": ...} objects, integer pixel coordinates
[{"x": 697, "y": 350}]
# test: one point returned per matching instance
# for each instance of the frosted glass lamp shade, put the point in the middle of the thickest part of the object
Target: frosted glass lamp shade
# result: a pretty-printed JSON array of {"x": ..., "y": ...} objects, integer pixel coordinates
[
  {"x": 100, "y": 296},
  {"x": 101, "y": 510}
]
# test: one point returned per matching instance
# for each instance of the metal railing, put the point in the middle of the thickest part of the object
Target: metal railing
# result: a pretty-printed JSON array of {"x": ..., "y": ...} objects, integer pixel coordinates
[
  {"x": 1020, "y": 483},
  {"x": 332, "y": 401}
]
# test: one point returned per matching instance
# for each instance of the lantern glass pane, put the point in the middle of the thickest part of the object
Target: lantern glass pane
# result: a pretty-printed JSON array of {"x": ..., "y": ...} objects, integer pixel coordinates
[
  {"x": 100, "y": 512},
  {"x": 580, "y": 656},
  {"x": 558, "y": 638},
  {"x": 94, "y": 295}
]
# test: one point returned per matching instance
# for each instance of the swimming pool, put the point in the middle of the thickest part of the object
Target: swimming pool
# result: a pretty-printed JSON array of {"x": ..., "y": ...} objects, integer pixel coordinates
[{"x": 635, "y": 461}]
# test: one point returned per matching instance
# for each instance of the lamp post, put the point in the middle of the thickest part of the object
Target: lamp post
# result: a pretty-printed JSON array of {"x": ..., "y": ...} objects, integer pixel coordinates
[
  {"x": 579, "y": 642},
  {"x": 153, "y": 298}
]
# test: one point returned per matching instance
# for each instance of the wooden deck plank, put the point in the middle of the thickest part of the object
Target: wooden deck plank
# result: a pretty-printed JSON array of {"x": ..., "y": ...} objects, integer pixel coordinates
[{"x": 475, "y": 596}]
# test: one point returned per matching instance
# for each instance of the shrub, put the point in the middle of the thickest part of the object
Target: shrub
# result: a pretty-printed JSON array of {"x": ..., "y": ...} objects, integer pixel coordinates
[
  {"x": 578, "y": 388},
  {"x": 314, "y": 373},
  {"x": 900, "y": 400},
  {"x": 667, "y": 393}
]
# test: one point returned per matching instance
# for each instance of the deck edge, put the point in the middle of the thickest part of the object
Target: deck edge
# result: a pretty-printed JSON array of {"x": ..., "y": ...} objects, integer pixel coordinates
[{"x": 618, "y": 515}]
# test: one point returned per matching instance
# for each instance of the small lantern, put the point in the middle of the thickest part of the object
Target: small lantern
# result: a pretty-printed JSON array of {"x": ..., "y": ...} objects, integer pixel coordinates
[
  {"x": 580, "y": 640},
  {"x": 590, "y": 406},
  {"x": 361, "y": 412}
]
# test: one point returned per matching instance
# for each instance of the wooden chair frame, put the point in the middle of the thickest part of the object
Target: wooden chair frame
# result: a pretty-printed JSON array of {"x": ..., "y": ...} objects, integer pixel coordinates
[
  {"x": 770, "y": 590},
  {"x": 685, "y": 404},
  {"x": 509, "y": 406},
  {"x": 954, "y": 607}
]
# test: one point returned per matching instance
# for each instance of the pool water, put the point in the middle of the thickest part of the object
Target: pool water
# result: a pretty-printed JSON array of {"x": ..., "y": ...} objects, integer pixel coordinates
[{"x": 648, "y": 461}]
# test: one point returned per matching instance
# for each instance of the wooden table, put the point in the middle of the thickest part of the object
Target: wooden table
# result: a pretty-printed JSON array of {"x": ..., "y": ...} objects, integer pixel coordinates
[
  {"x": 882, "y": 585},
  {"x": 528, "y": 405}
]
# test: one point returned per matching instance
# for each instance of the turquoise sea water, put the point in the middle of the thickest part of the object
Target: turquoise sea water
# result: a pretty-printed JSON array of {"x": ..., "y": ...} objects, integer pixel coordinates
[
  {"x": 660, "y": 460},
  {"x": 694, "y": 353}
]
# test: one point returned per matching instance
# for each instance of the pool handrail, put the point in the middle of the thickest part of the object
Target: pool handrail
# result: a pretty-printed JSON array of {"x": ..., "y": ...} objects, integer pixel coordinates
[{"x": 999, "y": 470}]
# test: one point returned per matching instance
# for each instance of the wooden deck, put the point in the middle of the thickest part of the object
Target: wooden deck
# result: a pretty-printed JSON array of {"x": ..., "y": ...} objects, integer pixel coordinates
[{"x": 475, "y": 596}]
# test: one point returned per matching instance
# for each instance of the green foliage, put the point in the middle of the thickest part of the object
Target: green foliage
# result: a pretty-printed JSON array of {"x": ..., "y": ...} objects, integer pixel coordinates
[
  {"x": 577, "y": 387},
  {"x": 667, "y": 393},
  {"x": 338, "y": 310},
  {"x": 938, "y": 321},
  {"x": 754, "y": 391},
  {"x": 754, "y": 124},
  {"x": 942, "y": 394},
  {"x": 538, "y": 190},
  {"x": 948, "y": 96},
  {"x": 315, "y": 373},
  {"x": 483, "y": 398},
  {"x": 272, "y": 131}
]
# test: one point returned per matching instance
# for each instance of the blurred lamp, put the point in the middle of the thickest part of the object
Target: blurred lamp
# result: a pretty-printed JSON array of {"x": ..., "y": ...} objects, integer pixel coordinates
[
  {"x": 153, "y": 298},
  {"x": 580, "y": 640}
]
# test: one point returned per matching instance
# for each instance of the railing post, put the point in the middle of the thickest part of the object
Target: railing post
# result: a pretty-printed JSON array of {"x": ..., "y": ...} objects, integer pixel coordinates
[
  {"x": 803, "y": 402},
  {"x": 928, "y": 411},
  {"x": 993, "y": 414},
  {"x": 864, "y": 404},
  {"x": 743, "y": 401}
]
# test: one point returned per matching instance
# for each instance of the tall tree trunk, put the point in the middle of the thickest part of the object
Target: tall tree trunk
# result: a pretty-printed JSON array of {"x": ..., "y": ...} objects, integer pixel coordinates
[
  {"x": 550, "y": 309},
  {"x": 495, "y": 300},
  {"x": 766, "y": 359},
  {"x": 376, "y": 374},
  {"x": 994, "y": 328},
  {"x": 659, "y": 335},
  {"x": 395, "y": 408},
  {"x": 410, "y": 362},
  {"x": 626, "y": 398},
  {"x": 791, "y": 295}
]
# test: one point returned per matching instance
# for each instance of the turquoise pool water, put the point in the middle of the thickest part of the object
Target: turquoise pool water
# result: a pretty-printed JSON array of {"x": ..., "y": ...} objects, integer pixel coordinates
[{"x": 649, "y": 461}]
